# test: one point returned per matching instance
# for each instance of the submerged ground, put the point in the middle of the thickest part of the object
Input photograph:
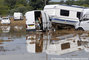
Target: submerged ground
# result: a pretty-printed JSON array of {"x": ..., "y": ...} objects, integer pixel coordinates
[{"x": 17, "y": 44}]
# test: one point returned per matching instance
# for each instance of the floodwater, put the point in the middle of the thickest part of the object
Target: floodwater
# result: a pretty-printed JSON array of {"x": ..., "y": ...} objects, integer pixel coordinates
[
  {"x": 12, "y": 40},
  {"x": 16, "y": 44}
]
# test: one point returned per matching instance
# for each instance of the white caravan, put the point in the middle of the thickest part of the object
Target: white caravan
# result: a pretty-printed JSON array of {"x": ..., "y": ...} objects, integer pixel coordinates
[
  {"x": 63, "y": 14},
  {"x": 37, "y": 20},
  {"x": 18, "y": 16}
]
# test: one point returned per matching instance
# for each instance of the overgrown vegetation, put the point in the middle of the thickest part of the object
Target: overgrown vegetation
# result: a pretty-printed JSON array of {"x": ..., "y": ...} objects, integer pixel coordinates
[
  {"x": 73, "y": 2},
  {"x": 8, "y": 7}
]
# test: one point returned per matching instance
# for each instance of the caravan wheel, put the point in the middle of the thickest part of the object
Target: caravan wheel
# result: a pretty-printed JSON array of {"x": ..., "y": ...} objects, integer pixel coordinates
[{"x": 80, "y": 29}]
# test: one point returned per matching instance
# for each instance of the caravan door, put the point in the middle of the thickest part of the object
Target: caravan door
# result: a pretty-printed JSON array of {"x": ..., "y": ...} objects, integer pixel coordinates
[
  {"x": 30, "y": 20},
  {"x": 48, "y": 22},
  {"x": 44, "y": 20}
]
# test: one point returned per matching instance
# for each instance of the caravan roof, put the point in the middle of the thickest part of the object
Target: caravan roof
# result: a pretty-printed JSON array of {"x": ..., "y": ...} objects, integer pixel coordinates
[{"x": 72, "y": 7}]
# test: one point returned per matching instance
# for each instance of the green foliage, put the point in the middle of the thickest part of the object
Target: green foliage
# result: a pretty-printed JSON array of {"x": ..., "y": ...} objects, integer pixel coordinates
[
  {"x": 38, "y": 4},
  {"x": 11, "y": 6},
  {"x": 29, "y": 8},
  {"x": 1, "y": 2},
  {"x": 73, "y": 2},
  {"x": 78, "y": 2},
  {"x": 54, "y": 3},
  {"x": 86, "y": 5},
  {"x": 21, "y": 9},
  {"x": 10, "y": 3},
  {"x": 4, "y": 10},
  {"x": 23, "y": 2},
  {"x": 11, "y": 12}
]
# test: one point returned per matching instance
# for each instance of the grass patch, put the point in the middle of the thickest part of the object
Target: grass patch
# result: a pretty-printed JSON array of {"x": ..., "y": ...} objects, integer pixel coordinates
[{"x": 15, "y": 22}]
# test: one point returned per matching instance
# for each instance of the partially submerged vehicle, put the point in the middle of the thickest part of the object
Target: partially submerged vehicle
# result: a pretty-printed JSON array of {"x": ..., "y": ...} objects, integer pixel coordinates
[
  {"x": 37, "y": 20},
  {"x": 63, "y": 15}
]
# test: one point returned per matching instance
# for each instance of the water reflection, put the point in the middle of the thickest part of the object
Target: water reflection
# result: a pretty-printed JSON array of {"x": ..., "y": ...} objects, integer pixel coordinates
[
  {"x": 35, "y": 42},
  {"x": 40, "y": 42},
  {"x": 2, "y": 48},
  {"x": 17, "y": 28},
  {"x": 12, "y": 42},
  {"x": 5, "y": 29},
  {"x": 16, "y": 41}
]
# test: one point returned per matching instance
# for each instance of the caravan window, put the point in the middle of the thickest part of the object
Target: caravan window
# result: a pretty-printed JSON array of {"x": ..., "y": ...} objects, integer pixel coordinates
[
  {"x": 78, "y": 14},
  {"x": 64, "y": 12},
  {"x": 65, "y": 46}
]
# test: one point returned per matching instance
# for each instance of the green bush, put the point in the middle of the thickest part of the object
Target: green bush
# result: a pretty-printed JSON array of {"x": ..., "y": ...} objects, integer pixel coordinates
[{"x": 4, "y": 10}]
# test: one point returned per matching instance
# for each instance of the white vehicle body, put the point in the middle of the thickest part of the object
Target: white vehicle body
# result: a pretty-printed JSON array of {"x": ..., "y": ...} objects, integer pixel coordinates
[
  {"x": 63, "y": 14},
  {"x": 5, "y": 20},
  {"x": 83, "y": 24},
  {"x": 31, "y": 20},
  {"x": 18, "y": 16}
]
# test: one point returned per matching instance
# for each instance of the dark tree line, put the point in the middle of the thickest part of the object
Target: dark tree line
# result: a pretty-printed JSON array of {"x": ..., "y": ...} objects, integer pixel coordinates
[
  {"x": 36, "y": 4},
  {"x": 10, "y": 6},
  {"x": 24, "y": 5},
  {"x": 77, "y": 2}
]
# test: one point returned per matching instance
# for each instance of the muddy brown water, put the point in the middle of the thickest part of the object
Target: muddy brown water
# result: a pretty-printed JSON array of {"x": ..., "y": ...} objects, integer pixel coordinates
[
  {"x": 50, "y": 45},
  {"x": 59, "y": 44}
]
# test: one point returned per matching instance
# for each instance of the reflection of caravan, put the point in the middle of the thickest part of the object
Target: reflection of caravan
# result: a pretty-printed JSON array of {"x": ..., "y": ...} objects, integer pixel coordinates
[
  {"x": 63, "y": 46},
  {"x": 5, "y": 29},
  {"x": 63, "y": 14},
  {"x": 86, "y": 47},
  {"x": 34, "y": 43},
  {"x": 37, "y": 20},
  {"x": 38, "y": 43}
]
